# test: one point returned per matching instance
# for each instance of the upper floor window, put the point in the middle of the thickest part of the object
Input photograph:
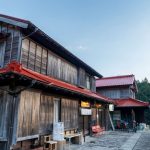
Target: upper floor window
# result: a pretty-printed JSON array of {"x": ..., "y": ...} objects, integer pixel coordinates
[
  {"x": 34, "y": 56},
  {"x": 124, "y": 93},
  {"x": 88, "y": 83}
]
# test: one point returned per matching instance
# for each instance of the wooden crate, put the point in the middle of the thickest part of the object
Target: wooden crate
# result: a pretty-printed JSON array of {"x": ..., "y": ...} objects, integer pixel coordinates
[{"x": 50, "y": 145}]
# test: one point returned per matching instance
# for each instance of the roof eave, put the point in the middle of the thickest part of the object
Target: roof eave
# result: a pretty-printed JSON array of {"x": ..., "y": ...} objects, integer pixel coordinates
[
  {"x": 13, "y": 22},
  {"x": 64, "y": 50}
]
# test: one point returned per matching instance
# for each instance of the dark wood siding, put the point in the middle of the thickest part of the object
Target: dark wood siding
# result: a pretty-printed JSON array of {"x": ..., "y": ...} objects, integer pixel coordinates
[
  {"x": 31, "y": 58},
  {"x": 8, "y": 116},
  {"x": 46, "y": 114},
  {"x": 28, "y": 115},
  {"x": 85, "y": 80},
  {"x": 11, "y": 44},
  {"x": 93, "y": 84},
  {"x": 39, "y": 59},
  {"x": 82, "y": 78},
  {"x": 94, "y": 114},
  {"x": 69, "y": 113},
  {"x": 3, "y": 114},
  {"x": 44, "y": 62}
]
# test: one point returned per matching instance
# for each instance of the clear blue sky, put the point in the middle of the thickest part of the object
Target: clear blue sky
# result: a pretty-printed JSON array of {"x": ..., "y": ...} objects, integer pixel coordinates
[{"x": 112, "y": 36}]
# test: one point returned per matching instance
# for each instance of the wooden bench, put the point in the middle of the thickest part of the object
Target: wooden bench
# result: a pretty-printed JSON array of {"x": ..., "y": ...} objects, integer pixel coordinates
[
  {"x": 97, "y": 130},
  {"x": 71, "y": 134}
]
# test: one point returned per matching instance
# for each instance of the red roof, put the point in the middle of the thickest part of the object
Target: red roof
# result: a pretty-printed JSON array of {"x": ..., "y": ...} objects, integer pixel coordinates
[
  {"x": 19, "y": 69},
  {"x": 130, "y": 102},
  {"x": 115, "y": 81}
]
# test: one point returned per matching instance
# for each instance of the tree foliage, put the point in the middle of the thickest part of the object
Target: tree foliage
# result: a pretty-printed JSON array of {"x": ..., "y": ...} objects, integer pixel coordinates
[{"x": 144, "y": 95}]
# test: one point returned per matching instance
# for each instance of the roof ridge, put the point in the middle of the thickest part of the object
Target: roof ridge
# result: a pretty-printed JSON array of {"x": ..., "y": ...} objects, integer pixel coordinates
[
  {"x": 134, "y": 99},
  {"x": 112, "y": 77}
]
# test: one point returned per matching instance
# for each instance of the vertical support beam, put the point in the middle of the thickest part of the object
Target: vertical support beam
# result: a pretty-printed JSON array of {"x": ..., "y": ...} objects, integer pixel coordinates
[
  {"x": 12, "y": 102},
  {"x": 84, "y": 128},
  {"x": 112, "y": 125},
  {"x": 20, "y": 48},
  {"x": 13, "y": 119}
]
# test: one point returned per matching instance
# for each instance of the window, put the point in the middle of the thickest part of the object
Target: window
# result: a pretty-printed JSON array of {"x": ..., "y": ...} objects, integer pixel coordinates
[
  {"x": 31, "y": 60},
  {"x": 88, "y": 84},
  {"x": 124, "y": 93},
  {"x": 25, "y": 52}
]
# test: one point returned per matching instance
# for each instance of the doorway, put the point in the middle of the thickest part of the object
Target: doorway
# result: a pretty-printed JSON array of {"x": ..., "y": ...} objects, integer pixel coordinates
[{"x": 56, "y": 110}]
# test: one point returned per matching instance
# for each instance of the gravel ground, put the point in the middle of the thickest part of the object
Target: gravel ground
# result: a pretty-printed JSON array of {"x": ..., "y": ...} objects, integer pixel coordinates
[{"x": 108, "y": 141}]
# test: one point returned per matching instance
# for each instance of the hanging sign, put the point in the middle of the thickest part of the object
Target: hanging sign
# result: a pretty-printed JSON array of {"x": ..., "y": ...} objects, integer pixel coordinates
[
  {"x": 111, "y": 107},
  {"x": 85, "y": 111},
  {"x": 85, "y": 104}
]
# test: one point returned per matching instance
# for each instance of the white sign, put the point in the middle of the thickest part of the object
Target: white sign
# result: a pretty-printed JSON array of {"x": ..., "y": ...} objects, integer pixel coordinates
[
  {"x": 85, "y": 111},
  {"x": 111, "y": 107},
  {"x": 58, "y": 131}
]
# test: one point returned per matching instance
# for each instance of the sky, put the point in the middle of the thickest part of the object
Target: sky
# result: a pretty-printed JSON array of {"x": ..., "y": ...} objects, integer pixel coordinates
[{"x": 112, "y": 36}]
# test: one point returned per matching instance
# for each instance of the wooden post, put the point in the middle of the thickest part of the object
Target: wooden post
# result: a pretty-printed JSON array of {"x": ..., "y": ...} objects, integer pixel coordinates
[
  {"x": 83, "y": 128},
  {"x": 97, "y": 116},
  {"x": 111, "y": 121}
]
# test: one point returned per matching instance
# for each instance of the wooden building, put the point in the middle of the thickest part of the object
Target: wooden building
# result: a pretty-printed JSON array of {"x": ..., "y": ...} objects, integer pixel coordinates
[
  {"x": 122, "y": 90},
  {"x": 41, "y": 83}
]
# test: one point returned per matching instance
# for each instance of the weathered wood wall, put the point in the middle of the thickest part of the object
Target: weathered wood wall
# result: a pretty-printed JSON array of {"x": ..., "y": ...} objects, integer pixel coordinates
[
  {"x": 46, "y": 113},
  {"x": 3, "y": 114},
  {"x": 36, "y": 113},
  {"x": 94, "y": 114},
  {"x": 102, "y": 118},
  {"x": 8, "y": 116},
  {"x": 28, "y": 115},
  {"x": 39, "y": 59},
  {"x": 69, "y": 113},
  {"x": 10, "y": 46}
]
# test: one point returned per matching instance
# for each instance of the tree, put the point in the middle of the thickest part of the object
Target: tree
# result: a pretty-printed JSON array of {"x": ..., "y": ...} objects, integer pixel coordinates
[{"x": 144, "y": 95}]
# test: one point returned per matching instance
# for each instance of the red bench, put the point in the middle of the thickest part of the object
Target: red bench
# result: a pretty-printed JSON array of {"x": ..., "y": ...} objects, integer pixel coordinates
[{"x": 98, "y": 130}]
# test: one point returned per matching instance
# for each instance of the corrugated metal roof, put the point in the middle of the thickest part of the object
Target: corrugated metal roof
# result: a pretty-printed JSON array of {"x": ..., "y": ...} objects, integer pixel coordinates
[
  {"x": 130, "y": 102},
  {"x": 115, "y": 81},
  {"x": 19, "y": 69}
]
